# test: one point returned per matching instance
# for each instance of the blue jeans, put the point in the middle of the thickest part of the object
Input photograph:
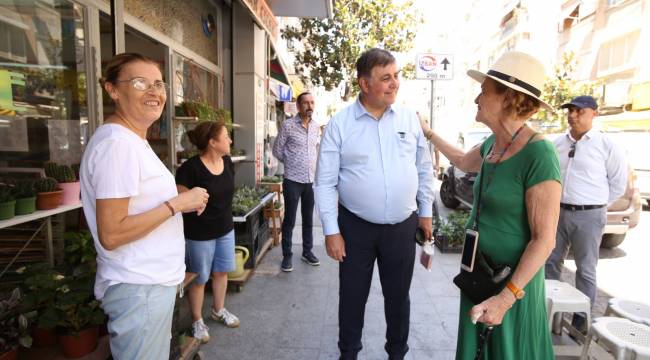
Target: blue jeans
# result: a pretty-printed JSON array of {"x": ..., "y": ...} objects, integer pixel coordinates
[
  {"x": 294, "y": 192},
  {"x": 207, "y": 256},
  {"x": 139, "y": 320}
]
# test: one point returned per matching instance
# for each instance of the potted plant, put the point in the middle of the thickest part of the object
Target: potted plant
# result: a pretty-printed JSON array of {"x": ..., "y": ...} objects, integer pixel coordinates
[
  {"x": 7, "y": 202},
  {"x": 273, "y": 183},
  {"x": 42, "y": 282},
  {"x": 79, "y": 314},
  {"x": 451, "y": 232},
  {"x": 67, "y": 179},
  {"x": 48, "y": 194},
  {"x": 13, "y": 327},
  {"x": 25, "y": 192}
]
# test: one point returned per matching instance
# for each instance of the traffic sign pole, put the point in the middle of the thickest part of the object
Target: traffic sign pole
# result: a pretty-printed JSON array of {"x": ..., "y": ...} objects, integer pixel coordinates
[{"x": 433, "y": 91}]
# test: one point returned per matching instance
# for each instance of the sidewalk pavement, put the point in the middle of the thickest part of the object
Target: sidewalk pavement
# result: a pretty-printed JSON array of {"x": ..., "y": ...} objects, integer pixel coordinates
[{"x": 294, "y": 316}]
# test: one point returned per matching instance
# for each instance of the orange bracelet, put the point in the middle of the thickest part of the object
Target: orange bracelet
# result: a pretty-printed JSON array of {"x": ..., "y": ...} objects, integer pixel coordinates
[{"x": 170, "y": 208}]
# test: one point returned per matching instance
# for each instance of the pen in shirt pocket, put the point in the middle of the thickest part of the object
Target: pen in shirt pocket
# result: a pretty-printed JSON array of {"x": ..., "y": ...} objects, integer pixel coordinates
[{"x": 401, "y": 134}]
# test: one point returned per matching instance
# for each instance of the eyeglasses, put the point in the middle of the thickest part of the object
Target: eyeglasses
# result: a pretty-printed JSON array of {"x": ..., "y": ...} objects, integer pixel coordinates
[
  {"x": 142, "y": 84},
  {"x": 572, "y": 151}
]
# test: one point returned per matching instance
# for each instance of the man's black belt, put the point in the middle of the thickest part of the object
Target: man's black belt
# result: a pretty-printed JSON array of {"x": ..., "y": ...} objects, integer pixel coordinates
[{"x": 580, "y": 207}]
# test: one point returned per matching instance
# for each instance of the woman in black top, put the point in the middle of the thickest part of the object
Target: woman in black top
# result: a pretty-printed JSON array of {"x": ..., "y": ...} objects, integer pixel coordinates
[{"x": 209, "y": 238}]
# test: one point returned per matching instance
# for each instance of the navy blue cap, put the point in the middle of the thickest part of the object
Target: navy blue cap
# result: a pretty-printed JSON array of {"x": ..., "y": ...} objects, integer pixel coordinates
[{"x": 581, "y": 102}]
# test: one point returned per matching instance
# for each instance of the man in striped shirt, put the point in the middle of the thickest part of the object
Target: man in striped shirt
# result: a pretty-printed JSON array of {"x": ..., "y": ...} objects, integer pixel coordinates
[{"x": 297, "y": 147}]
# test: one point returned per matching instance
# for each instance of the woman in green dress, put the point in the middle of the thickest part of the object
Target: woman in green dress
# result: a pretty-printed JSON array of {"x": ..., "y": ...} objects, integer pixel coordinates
[{"x": 519, "y": 210}]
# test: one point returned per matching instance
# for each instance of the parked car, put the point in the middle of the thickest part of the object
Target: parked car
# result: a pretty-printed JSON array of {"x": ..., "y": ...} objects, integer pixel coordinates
[{"x": 622, "y": 215}]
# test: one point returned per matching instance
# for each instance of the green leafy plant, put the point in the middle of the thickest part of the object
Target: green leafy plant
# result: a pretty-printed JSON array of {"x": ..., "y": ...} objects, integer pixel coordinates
[
  {"x": 80, "y": 249},
  {"x": 13, "y": 324},
  {"x": 47, "y": 184},
  {"x": 453, "y": 228},
  {"x": 327, "y": 49},
  {"x": 24, "y": 188},
  {"x": 272, "y": 179},
  {"x": 75, "y": 303},
  {"x": 6, "y": 193},
  {"x": 42, "y": 282},
  {"x": 205, "y": 112},
  {"x": 246, "y": 198}
]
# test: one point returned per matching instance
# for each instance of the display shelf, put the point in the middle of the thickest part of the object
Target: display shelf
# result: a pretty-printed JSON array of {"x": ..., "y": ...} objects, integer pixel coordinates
[
  {"x": 38, "y": 214},
  {"x": 268, "y": 197},
  {"x": 237, "y": 159},
  {"x": 186, "y": 118}
]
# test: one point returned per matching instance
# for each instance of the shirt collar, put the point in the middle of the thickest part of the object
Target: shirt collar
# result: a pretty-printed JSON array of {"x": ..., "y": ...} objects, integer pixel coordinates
[
  {"x": 360, "y": 110},
  {"x": 588, "y": 135}
]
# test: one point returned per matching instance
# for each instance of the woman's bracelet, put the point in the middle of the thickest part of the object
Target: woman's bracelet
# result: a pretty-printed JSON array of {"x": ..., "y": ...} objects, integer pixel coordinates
[{"x": 170, "y": 207}]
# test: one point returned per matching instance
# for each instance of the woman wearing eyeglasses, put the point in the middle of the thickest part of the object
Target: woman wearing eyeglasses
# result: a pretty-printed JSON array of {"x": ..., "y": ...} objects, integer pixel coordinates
[{"x": 133, "y": 211}]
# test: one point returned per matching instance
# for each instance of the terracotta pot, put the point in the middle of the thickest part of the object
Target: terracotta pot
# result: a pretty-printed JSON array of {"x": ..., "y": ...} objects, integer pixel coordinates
[
  {"x": 7, "y": 210},
  {"x": 71, "y": 191},
  {"x": 10, "y": 355},
  {"x": 25, "y": 206},
  {"x": 49, "y": 200},
  {"x": 75, "y": 346},
  {"x": 43, "y": 337}
]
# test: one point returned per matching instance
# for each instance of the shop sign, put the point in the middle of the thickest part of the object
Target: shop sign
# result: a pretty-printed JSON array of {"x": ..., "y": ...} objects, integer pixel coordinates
[
  {"x": 265, "y": 16},
  {"x": 290, "y": 107},
  {"x": 284, "y": 93}
]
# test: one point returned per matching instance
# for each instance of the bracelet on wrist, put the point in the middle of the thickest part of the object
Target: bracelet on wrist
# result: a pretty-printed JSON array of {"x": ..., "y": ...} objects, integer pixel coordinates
[{"x": 170, "y": 207}]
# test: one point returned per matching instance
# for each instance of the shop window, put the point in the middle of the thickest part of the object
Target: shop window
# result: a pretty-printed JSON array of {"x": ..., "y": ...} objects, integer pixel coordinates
[
  {"x": 617, "y": 54},
  {"x": 196, "y": 95},
  {"x": 43, "y": 105}
]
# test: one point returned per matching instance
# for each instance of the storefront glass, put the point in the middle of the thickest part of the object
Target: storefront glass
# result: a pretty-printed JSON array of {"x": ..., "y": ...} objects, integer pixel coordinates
[{"x": 43, "y": 104}]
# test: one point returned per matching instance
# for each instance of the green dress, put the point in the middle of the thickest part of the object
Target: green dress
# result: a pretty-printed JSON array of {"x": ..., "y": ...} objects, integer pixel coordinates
[{"x": 503, "y": 235}]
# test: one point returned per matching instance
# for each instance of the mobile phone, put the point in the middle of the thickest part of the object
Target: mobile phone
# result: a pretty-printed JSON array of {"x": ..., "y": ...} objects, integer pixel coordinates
[
  {"x": 469, "y": 250},
  {"x": 419, "y": 237}
]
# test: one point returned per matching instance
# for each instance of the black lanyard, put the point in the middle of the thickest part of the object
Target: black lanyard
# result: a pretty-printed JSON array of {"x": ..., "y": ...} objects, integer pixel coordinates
[{"x": 480, "y": 185}]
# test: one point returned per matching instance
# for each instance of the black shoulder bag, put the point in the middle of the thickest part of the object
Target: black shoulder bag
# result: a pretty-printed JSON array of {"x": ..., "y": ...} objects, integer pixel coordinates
[{"x": 487, "y": 277}]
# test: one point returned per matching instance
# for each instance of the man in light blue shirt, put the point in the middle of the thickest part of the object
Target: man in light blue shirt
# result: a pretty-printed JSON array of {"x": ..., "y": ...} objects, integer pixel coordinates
[{"x": 374, "y": 173}]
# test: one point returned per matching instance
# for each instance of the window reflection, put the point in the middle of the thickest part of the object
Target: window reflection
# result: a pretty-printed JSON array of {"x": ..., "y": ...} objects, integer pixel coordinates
[{"x": 43, "y": 109}]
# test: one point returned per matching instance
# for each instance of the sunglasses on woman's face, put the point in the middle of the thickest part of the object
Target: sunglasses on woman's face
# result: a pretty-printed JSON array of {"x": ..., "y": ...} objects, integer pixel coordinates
[
  {"x": 572, "y": 151},
  {"x": 142, "y": 84}
]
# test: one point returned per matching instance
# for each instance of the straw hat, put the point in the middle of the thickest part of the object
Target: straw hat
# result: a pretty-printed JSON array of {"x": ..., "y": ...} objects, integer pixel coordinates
[{"x": 518, "y": 71}]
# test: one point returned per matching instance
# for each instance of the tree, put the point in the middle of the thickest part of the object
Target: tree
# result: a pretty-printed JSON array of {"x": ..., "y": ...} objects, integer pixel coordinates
[
  {"x": 327, "y": 49},
  {"x": 560, "y": 89}
]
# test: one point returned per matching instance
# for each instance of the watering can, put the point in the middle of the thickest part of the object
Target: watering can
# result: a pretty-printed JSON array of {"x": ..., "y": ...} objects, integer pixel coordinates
[{"x": 241, "y": 255}]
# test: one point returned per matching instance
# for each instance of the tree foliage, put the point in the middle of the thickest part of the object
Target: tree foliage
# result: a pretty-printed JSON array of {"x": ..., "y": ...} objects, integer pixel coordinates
[
  {"x": 327, "y": 49},
  {"x": 560, "y": 89}
]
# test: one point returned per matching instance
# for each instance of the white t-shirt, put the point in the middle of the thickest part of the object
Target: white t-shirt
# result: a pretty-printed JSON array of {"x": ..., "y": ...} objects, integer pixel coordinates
[{"x": 119, "y": 164}]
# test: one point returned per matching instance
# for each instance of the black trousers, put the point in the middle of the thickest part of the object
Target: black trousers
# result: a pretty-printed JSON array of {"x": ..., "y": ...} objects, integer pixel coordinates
[
  {"x": 393, "y": 246},
  {"x": 294, "y": 192}
]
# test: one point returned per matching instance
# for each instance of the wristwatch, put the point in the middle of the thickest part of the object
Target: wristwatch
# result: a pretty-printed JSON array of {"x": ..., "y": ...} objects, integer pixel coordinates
[{"x": 517, "y": 292}]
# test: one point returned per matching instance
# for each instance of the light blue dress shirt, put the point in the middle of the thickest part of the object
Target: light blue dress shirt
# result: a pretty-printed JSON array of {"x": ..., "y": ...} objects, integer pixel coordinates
[{"x": 374, "y": 168}]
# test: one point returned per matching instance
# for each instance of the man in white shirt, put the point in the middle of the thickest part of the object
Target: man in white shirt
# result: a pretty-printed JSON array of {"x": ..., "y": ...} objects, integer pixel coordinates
[{"x": 594, "y": 174}]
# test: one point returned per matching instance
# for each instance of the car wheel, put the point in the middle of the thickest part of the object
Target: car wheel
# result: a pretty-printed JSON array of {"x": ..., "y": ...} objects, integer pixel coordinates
[
  {"x": 447, "y": 195},
  {"x": 612, "y": 240}
]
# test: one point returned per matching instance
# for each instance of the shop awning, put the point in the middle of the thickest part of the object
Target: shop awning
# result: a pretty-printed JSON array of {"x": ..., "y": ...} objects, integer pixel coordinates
[
  {"x": 280, "y": 84},
  {"x": 302, "y": 8},
  {"x": 628, "y": 120}
]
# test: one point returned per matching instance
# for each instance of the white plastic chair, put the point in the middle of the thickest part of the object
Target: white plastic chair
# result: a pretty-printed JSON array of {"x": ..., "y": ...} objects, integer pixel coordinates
[
  {"x": 631, "y": 310},
  {"x": 560, "y": 298},
  {"x": 623, "y": 338}
]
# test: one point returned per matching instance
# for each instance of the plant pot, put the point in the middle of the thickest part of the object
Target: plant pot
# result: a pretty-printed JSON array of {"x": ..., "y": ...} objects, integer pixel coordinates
[
  {"x": 71, "y": 191},
  {"x": 25, "y": 206},
  {"x": 49, "y": 200},
  {"x": 10, "y": 355},
  {"x": 75, "y": 346},
  {"x": 7, "y": 210},
  {"x": 442, "y": 242},
  {"x": 43, "y": 337},
  {"x": 273, "y": 187}
]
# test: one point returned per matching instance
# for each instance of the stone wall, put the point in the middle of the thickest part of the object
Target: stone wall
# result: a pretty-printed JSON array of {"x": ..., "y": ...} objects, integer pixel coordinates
[{"x": 181, "y": 21}]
